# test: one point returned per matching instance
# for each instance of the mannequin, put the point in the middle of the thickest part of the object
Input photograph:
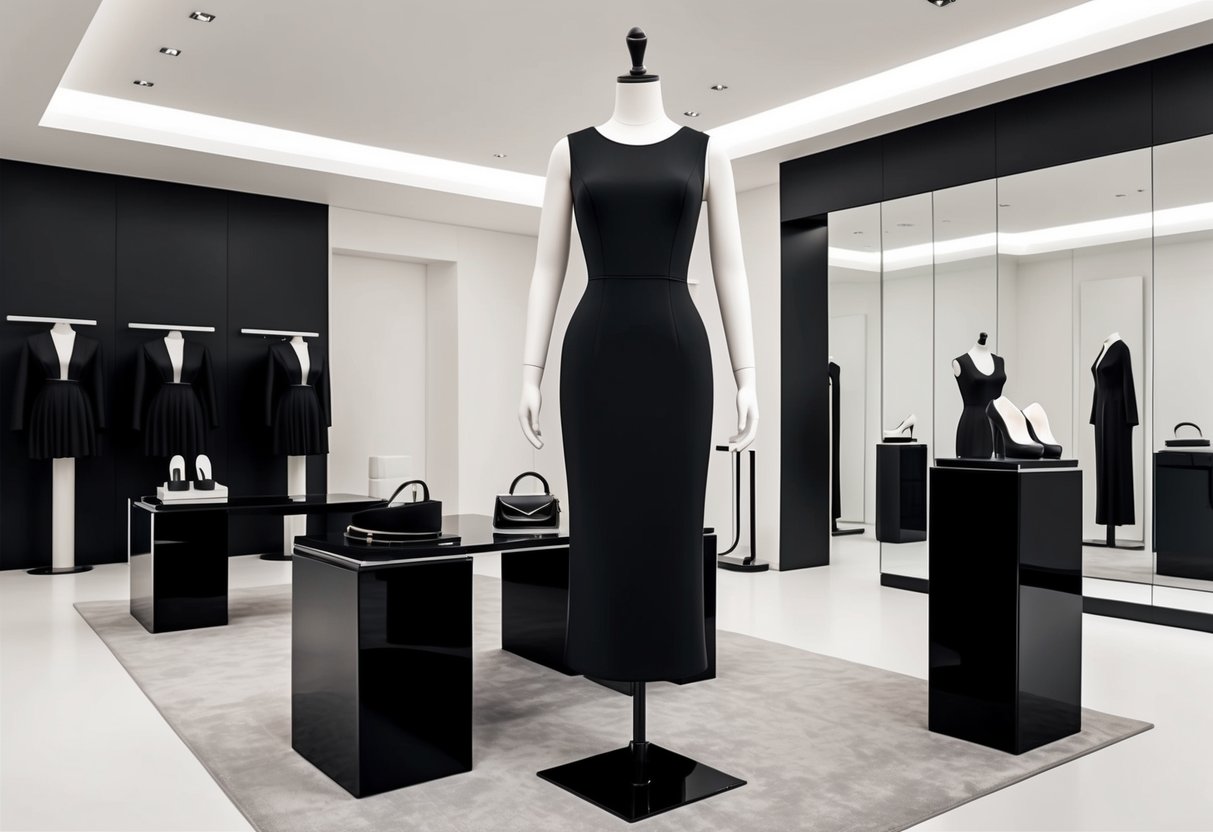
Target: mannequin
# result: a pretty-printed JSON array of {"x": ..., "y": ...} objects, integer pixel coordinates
[
  {"x": 980, "y": 376},
  {"x": 1114, "y": 415},
  {"x": 983, "y": 357},
  {"x": 63, "y": 471},
  {"x": 1107, "y": 342},
  {"x": 175, "y": 344},
  {"x": 175, "y": 404},
  {"x": 296, "y": 466}
]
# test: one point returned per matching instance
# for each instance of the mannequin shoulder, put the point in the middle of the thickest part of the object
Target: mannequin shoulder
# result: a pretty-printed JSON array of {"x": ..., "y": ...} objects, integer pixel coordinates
[
  {"x": 560, "y": 159},
  {"x": 956, "y": 366}
]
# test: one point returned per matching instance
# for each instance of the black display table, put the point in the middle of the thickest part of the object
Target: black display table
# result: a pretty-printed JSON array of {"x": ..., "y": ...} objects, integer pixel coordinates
[
  {"x": 178, "y": 553},
  {"x": 901, "y": 492},
  {"x": 1183, "y": 514},
  {"x": 381, "y": 665},
  {"x": 1006, "y": 602}
]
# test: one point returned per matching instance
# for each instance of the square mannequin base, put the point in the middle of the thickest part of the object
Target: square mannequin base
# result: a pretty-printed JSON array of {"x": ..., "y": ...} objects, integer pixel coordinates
[{"x": 607, "y": 780}]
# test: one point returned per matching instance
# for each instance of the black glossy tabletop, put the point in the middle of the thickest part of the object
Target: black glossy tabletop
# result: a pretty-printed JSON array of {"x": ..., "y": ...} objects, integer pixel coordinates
[
  {"x": 474, "y": 532},
  {"x": 268, "y": 504}
]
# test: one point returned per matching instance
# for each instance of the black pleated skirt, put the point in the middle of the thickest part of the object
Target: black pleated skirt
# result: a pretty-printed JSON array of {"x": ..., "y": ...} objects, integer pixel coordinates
[
  {"x": 298, "y": 427},
  {"x": 175, "y": 423},
  {"x": 636, "y": 415},
  {"x": 61, "y": 422}
]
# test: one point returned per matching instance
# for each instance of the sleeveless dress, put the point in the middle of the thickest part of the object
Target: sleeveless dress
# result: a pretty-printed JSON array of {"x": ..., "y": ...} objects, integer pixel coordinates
[
  {"x": 974, "y": 435},
  {"x": 636, "y": 412}
]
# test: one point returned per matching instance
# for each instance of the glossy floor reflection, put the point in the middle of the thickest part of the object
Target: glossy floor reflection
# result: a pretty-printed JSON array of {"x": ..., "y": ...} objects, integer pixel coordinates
[{"x": 70, "y": 715}]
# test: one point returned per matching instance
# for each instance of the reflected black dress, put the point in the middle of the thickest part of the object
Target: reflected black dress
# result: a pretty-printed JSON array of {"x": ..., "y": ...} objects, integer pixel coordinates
[
  {"x": 174, "y": 415},
  {"x": 636, "y": 412},
  {"x": 974, "y": 435},
  {"x": 62, "y": 415},
  {"x": 298, "y": 410},
  {"x": 1114, "y": 413}
]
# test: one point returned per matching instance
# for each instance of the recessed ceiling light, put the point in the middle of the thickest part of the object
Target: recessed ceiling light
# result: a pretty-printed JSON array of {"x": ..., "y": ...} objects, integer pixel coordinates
[
  {"x": 498, "y": 155},
  {"x": 719, "y": 87},
  {"x": 1004, "y": 205},
  {"x": 170, "y": 51},
  {"x": 139, "y": 82},
  {"x": 1120, "y": 196},
  {"x": 856, "y": 232},
  {"x": 905, "y": 225},
  {"x": 202, "y": 17},
  {"x": 691, "y": 113},
  {"x": 941, "y": 3},
  {"x": 945, "y": 220}
]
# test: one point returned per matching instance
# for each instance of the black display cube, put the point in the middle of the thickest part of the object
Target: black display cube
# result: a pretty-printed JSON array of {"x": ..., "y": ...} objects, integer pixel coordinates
[
  {"x": 901, "y": 492},
  {"x": 381, "y": 671},
  {"x": 1006, "y": 602},
  {"x": 178, "y": 569},
  {"x": 1183, "y": 514}
]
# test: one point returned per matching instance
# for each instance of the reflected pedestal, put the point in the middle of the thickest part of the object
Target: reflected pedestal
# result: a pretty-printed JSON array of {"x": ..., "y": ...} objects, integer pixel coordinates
[
  {"x": 901, "y": 492},
  {"x": 1183, "y": 514},
  {"x": 1006, "y": 602}
]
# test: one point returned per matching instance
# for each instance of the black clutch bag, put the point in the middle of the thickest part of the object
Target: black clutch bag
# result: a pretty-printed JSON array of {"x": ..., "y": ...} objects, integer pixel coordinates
[
  {"x": 527, "y": 512},
  {"x": 420, "y": 520},
  {"x": 1199, "y": 442}
]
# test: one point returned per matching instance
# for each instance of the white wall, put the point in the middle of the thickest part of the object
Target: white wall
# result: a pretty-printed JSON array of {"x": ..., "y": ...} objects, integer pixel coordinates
[
  {"x": 1183, "y": 296},
  {"x": 857, "y": 293}
]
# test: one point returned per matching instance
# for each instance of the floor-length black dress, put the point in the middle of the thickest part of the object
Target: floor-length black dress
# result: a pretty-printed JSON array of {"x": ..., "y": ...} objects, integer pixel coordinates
[
  {"x": 974, "y": 435},
  {"x": 1114, "y": 413},
  {"x": 636, "y": 412}
]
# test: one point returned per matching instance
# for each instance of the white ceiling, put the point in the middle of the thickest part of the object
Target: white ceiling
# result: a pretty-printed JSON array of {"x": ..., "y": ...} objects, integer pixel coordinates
[{"x": 464, "y": 80}]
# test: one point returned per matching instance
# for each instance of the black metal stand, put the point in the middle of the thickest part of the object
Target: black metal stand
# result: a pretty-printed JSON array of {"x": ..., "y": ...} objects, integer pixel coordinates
[
  {"x": 1111, "y": 542},
  {"x": 837, "y": 532},
  {"x": 641, "y": 780},
  {"x": 748, "y": 563},
  {"x": 275, "y": 556},
  {"x": 58, "y": 570}
]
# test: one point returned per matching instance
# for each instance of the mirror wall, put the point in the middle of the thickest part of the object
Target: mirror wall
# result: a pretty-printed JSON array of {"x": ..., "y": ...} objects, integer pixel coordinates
[{"x": 1089, "y": 284}]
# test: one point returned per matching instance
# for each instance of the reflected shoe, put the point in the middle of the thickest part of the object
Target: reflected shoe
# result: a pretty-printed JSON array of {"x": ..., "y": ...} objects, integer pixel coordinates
[
  {"x": 204, "y": 479},
  {"x": 1011, "y": 437},
  {"x": 176, "y": 474},
  {"x": 896, "y": 434},
  {"x": 1038, "y": 429}
]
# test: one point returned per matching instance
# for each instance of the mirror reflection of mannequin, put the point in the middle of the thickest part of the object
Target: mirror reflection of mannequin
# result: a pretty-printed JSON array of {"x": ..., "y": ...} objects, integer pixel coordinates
[{"x": 980, "y": 375}]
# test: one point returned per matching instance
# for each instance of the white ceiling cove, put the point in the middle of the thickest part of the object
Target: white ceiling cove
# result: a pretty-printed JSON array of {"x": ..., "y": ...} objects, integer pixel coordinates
[{"x": 462, "y": 81}]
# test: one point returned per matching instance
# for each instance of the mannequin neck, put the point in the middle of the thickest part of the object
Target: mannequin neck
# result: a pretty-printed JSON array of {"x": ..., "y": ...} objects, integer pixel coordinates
[
  {"x": 982, "y": 348},
  {"x": 174, "y": 335},
  {"x": 639, "y": 116},
  {"x": 1114, "y": 337},
  {"x": 62, "y": 328},
  {"x": 297, "y": 339}
]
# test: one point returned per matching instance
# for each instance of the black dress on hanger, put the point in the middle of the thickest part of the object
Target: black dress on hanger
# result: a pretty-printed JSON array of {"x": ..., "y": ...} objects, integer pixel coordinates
[
  {"x": 174, "y": 416},
  {"x": 974, "y": 435},
  {"x": 62, "y": 415},
  {"x": 298, "y": 410},
  {"x": 1114, "y": 413},
  {"x": 835, "y": 450},
  {"x": 636, "y": 412}
]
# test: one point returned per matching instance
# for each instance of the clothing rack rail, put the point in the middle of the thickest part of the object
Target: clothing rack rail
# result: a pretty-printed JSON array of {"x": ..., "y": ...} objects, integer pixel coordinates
[
  {"x": 285, "y": 333},
  {"x": 171, "y": 327},
  {"x": 41, "y": 319}
]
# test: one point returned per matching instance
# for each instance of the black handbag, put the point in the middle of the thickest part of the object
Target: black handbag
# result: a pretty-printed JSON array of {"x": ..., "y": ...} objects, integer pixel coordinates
[
  {"x": 527, "y": 512},
  {"x": 420, "y": 520},
  {"x": 1200, "y": 442}
]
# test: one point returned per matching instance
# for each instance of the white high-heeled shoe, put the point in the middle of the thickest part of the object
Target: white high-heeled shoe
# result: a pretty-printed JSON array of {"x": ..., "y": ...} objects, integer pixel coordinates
[
  {"x": 895, "y": 435},
  {"x": 1039, "y": 430},
  {"x": 176, "y": 474}
]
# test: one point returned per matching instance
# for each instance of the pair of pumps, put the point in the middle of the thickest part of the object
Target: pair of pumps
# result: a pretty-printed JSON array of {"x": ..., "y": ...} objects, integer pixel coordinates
[
  {"x": 1021, "y": 434},
  {"x": 204, "y": 479}
]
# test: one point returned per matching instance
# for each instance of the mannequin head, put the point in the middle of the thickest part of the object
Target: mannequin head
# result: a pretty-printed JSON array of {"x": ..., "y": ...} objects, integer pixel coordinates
[
  {"x": 637, "y": 43},
  {"x": 981, "y": 338}
]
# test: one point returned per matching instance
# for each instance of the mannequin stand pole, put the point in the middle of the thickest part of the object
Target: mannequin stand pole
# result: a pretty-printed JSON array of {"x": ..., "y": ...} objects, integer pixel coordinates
[
  {"x": 641, "y": 780},
  {"x": 1110, "y": 541},
  {"x": 293, "y": 525},
  {"x": 63, "y": 521}
]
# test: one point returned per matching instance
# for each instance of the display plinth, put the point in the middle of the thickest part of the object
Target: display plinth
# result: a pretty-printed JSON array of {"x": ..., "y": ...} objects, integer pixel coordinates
[
  {"x": 1006, "y": 604},
  {"x": 1114, "y": 543},
  {"x": 608, "y": 781},
  {"x": 1183, "y": 514},
  {"x": 901, "y": 492},
  {"x": 58, "y": 570}
]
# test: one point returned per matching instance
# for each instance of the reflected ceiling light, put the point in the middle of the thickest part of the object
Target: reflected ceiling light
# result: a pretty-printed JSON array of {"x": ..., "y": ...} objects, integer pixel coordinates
[
  {"x": 142, "y": 122},
  {"x": 691, "y": 113},
  {"x": 139, "y": 82},
  {"x": 718, "y": 87},
  {"x": 202, "y": 17},
  {"x": 499, "y": 155},
  {"x": 170, "y": 51},
  {"x": 941, "y": 3}
]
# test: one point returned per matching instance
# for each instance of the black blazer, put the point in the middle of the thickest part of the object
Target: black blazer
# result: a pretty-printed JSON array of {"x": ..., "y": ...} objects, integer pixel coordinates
[
  {"x": 154, "y": 367},
  {"x": 284, "y": 370},
  {"x": 40, "y": 362}
]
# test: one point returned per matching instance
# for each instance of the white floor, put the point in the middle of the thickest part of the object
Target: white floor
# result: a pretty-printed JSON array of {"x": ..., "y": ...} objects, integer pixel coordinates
[{"x": 82, "y": 749}]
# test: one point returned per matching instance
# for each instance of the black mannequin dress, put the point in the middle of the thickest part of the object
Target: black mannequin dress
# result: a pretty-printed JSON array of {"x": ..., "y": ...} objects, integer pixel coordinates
[
  {"x": 62, "y": 415},
  {"x": 636, "y": 412},
  {"x": 835, "y": 438},
  {"x": 174, "y": 416},
  {"x": 1114, "y": 413},
  {"x": 297, "y": 413},
  {"x": 974, "y": 435}
]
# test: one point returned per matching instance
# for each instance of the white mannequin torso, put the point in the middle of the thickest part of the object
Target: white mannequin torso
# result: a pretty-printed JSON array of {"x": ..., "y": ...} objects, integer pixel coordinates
[
  {"x": 639, "y": 118},
  {"x": 65, "y": 342},
  {"x": 305, "y": 360},
  {"x": 175, "y": 344},
  {"x": 1109, "y": 341},
  {"x": 982, "y": 357}
]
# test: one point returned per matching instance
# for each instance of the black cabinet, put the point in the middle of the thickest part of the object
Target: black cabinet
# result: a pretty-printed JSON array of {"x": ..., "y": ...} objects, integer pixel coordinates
[
  {"x": 901, "y": 492},
  {"x": 1183, "y": 514}
]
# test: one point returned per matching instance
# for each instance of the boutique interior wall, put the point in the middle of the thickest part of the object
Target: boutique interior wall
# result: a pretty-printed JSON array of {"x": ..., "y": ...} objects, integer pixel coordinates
[{"x": 120, "y": 250}]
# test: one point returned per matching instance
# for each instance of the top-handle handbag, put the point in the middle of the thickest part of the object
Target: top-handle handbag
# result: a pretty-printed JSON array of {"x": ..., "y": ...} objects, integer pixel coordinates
[
  {"x": 527, "y": 512},
  {"x": 419, "y": 520},
  {"x": 1200, "y": 442}
]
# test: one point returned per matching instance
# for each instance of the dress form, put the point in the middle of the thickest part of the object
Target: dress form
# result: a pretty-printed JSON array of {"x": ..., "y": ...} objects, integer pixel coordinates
[
  {"x": 982, "y": 355},
  {"x": 305, "y": 361},
  {"x": 63, "y": 472},
  {"x": 174, "y": 343},
  {"x": 296, "y": 466},
  {"x": 65, "y": 342},
  {"x": 1107, "y": 342}
]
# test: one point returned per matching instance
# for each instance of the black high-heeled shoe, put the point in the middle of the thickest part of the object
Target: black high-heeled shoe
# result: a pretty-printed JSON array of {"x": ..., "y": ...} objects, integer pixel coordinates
[
  {"x": 205, "y": 480},
  {"x": 176, "y": 474},
  {"x": 1039, "y": 430},
  {"x": 1011, "y": 438}
]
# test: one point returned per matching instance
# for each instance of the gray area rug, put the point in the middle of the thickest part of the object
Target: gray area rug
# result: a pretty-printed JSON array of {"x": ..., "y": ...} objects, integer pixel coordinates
[{"x": 825, "y": 744}]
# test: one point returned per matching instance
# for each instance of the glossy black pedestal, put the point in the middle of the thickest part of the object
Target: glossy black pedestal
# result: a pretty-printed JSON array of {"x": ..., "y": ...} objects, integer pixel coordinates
[
  {"x": 178, "y": 569},
  {"x": 901, "y": 492},
  {"x": 1006, "y": 605},
  {"x": 381, "y": 672},
  {"x": 670, "y": 780},
  {"x": 1183, "y": 514}
]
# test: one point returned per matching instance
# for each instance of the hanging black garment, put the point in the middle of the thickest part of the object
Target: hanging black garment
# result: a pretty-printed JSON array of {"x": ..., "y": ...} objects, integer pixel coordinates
[
  {"x": 174, "y": 415},
  {"x": 974, "y": 435},
  {"x": 1114, "y": 413},
  {"x": 636, "y": 412},
  {"x": 62, "y": 415},
  {"x": 836, "y": 450},
  {"x": 297, "y": 410}
]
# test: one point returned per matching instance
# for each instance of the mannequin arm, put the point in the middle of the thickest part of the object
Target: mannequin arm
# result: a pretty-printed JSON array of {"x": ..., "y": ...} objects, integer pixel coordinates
[
  {"x": 551, "y": 263},
  {"x": 732, "y": 289}
]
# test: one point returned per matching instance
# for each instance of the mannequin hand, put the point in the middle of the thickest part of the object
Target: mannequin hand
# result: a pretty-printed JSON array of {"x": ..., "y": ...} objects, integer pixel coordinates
[
  {"x": 747, "y": 410},
  {"x": 528, "y": 407}
]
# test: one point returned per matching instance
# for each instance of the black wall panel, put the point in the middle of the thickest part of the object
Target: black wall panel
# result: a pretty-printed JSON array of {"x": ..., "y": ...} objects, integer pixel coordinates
[
  {"x": 1183, "y": 96},
  {"x": 841, "y": 178},
  {"x": 120, "y": 250},
  {"x": 940, "y": 154}
]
